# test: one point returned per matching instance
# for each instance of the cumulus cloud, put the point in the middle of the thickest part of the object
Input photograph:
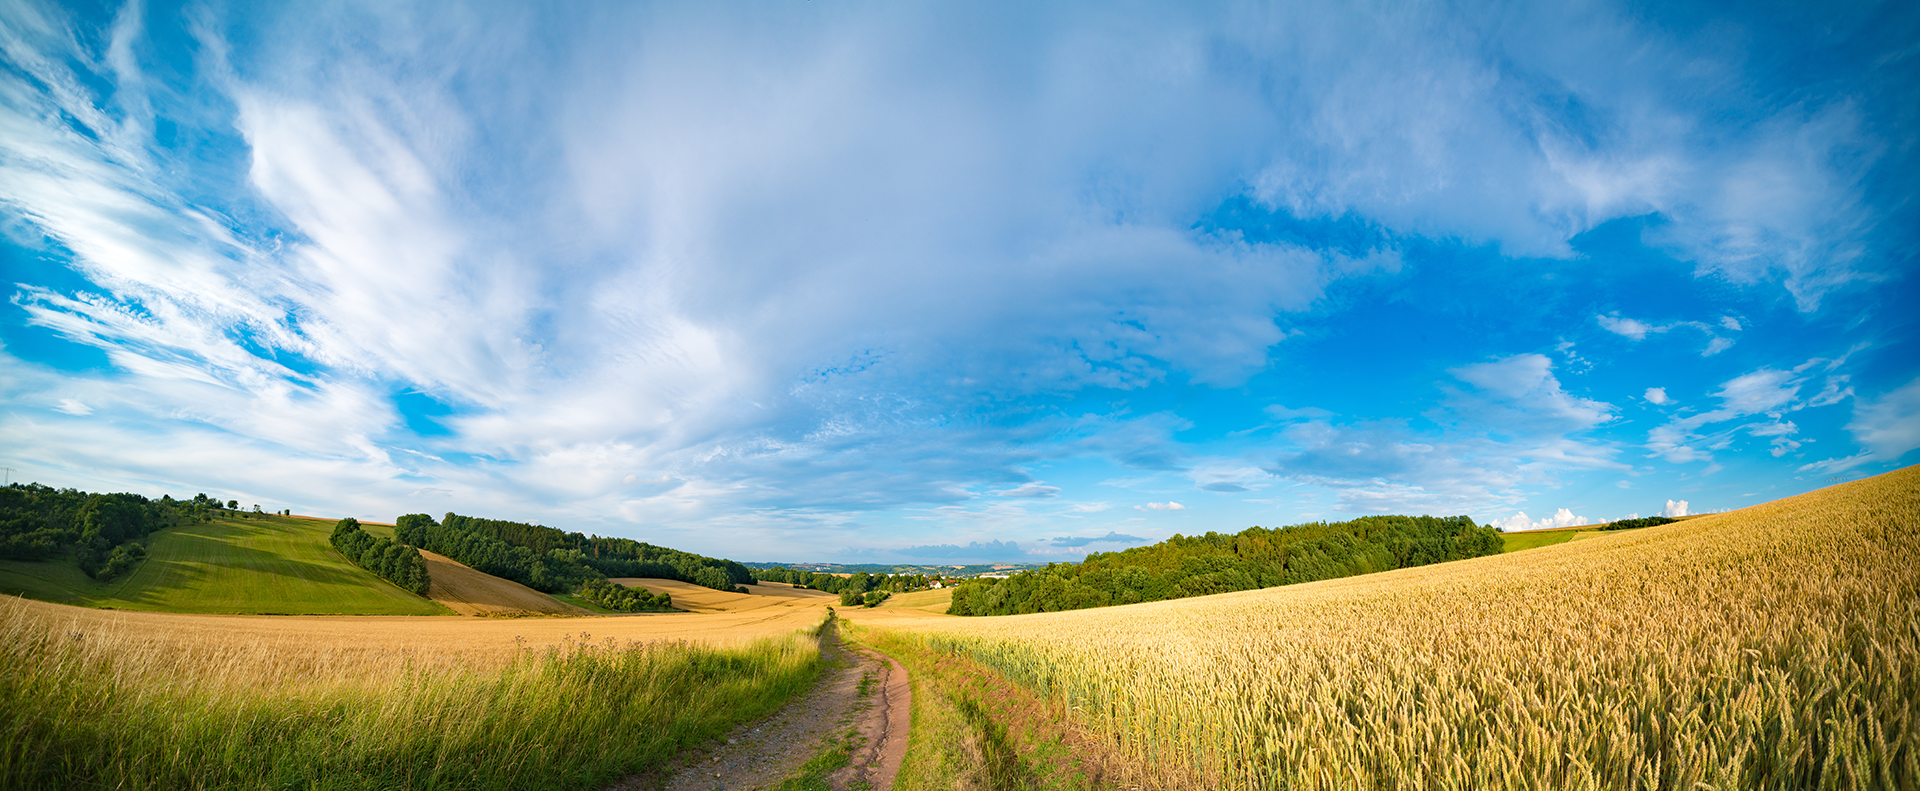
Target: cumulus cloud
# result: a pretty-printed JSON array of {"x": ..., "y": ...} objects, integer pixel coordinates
[
  {"x": 1627, "y": 328},
  {"x": 1674, "y": 508},
  {"x": 680, "y": 248},
  {"x": 1519, "y": 521},
  {"x": 1166, "y": 506},
  {"x": 1658, "y": 396}
]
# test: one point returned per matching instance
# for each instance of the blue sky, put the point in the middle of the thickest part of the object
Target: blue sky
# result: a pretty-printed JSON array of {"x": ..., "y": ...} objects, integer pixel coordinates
[{"x": 918, "y": 282}]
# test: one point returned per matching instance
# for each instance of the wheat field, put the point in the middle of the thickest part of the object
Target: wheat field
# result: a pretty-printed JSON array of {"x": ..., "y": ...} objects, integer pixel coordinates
[{"x": 1773, "y": 647}]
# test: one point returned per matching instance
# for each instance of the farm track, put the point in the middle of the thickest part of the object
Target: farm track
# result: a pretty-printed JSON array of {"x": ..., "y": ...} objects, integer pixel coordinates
[{"x": 863, "y": 699}]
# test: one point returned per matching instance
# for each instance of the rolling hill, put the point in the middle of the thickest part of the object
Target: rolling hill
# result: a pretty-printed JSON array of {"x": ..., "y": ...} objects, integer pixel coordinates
[{"x": 258, "y": 564}]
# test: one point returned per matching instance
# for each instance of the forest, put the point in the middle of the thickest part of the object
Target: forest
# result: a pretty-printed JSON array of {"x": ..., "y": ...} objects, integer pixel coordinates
[
  {"x": 1257, "y": 557},
  {"x": 1629, "y": 524},
  {"x": 554, "y": 561},
  {"x": 102, "y": 532},
  {"x": 393, "y": 562}
]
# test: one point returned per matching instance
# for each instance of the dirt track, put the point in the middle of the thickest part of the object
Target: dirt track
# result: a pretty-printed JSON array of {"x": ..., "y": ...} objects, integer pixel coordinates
[{"x": 862, "y": 693}]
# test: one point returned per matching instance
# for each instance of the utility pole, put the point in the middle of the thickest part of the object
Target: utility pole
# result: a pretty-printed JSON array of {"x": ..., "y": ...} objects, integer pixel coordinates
[{"x": 10, "y": 472}]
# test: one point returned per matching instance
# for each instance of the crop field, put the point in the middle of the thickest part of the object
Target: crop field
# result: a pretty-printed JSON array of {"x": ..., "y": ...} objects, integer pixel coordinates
[
  {"x": 772, "y": 597},
  {"x": 933, "y": 601},
  {"x": 1773, "y": 647},
  {"x": 150, "y": 700},
  {"x": 264, "y": 564}
]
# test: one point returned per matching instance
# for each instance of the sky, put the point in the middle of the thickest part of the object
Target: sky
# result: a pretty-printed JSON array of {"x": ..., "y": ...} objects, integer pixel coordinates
[{"x": 942, "y": 282}]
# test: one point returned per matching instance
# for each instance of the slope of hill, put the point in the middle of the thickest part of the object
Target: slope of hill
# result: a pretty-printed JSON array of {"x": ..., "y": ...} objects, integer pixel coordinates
[
  {"x": 258, "y": 564},
  {"x": 470, "y": 592},
  {"x": 1771, "y": 647},
  {"x": 700, "y": 599}
]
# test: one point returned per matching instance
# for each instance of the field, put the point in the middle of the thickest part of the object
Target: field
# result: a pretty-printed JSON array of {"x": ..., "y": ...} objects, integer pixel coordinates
[
  {"x": 470, "y": 592},
  {"x": 932, "y": 601},
  {"x": 264, "y": 564},
  {"x": 148, "y": 700},
  {"x": 1534, "y": 539},
  {"x": 1773, "y": 647},
  {"x": 774, "y": 597}
]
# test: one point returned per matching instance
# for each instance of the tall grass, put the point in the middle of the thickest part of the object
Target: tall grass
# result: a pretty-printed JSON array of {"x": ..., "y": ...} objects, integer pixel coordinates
[
  {"x": 1774, "y": 647},
  {"x": 125, "y": 711}
]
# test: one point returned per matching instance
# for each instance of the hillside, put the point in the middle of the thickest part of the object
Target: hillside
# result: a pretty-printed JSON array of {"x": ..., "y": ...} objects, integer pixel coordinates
[
  {"x": 470, "y": 592},
  {"x": 1258, "y": 557},
  {"x": 255, "y": 564},
  {"x": 1771, "y": 647}
]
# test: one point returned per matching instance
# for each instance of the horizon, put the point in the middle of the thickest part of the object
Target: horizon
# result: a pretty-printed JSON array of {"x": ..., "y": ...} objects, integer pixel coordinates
[{"x": 924, "y": 286}]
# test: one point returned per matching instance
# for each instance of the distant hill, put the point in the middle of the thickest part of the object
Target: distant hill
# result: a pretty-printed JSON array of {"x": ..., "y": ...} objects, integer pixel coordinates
[{"x": 949, "y": 571}]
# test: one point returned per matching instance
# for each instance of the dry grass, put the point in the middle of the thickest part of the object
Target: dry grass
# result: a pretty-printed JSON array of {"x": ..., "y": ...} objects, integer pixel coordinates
[
  {"x": 142, "y": 700},
  {"x": 469, "y": 592},
  {"x": 267, "y": 641},
  {"x": 1777, "y": 646}
]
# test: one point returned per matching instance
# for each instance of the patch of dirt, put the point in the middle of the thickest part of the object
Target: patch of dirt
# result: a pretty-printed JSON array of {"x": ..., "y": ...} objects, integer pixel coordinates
[
  {"x": 469, "y": 592},
  {"x": 861, "y": 692}
]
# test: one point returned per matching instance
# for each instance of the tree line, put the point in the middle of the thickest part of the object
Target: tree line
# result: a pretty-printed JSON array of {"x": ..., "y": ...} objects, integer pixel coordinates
[
  {"x": 101, "y": 532},
  {"x": 393, "y": 562},
  {"x": 1629, "y": 524},
  {"x": 861, "y": 589},
  {"x": 555, "y": 561},
  {"x": 614, "y": 596},
  {"x": 1257, "y": 557}
]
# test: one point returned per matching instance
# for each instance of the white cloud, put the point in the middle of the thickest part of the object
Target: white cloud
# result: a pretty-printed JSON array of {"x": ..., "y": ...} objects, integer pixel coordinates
[
  {"x": 1888, "y": 427},
  {"x": 1674, "y": 508},
  {"x": 1519, "y": 521},
  {"x": 1522, "y": 392},
  {"x": 1166, "y": 506},
  {"x": 1628, "y": 328},
  {"x": 1716, "y": 346},
  {"x": 1658, "y": 395},
  {"x": 1730, "y": 322},
  {"x": 1029, "y": 489},
  {"x": 73, "y": 407}
]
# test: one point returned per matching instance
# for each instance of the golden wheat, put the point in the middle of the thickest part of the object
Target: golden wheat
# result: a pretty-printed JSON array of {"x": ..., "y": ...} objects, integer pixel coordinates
[{"x": 1776, "y": 646}]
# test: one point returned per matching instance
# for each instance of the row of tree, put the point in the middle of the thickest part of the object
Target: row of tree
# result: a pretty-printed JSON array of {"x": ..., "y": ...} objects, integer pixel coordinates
[
  {"x": 1256, "y": 557},
  {"x": 624, "y": 599},
  {"x": 557, "y": 571},
  {"x": 1629, "y": 524},
  {"x": 859, "y": 583},
  {"x": 99, "y": 531},
  {"x": 393, "y": 562},
  {"x": 566, "y": 554}
]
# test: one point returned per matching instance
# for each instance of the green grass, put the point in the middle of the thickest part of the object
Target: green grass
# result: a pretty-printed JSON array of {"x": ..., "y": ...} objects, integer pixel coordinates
[
  {"x": 1533, "y": 539},
  {"x": 264, "y": 564}
]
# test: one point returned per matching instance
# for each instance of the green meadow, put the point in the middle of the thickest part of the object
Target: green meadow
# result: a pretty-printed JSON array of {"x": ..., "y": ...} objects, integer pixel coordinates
[{"x": 255, "y": 564}]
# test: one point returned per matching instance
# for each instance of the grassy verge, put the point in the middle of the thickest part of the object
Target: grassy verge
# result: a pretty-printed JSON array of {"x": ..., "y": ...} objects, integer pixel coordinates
[
  {"x": 974, "y": 730},
  {"x": 99, "y": 711},
  {"x": 259, "y": 564}
]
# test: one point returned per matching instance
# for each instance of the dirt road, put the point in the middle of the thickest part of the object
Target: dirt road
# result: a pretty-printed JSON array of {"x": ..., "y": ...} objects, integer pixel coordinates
[{"x": 863, "y": 701}]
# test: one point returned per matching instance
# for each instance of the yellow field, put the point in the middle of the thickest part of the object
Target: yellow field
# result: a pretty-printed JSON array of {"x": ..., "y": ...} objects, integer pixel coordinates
[
  {"x": 765, "y": 596},
  {"x": 1776, "y": 646},
  {"x": 932, "y": 601},
  {"x": 469, "y": 592},
  {"x": 348, "y": 645}
]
